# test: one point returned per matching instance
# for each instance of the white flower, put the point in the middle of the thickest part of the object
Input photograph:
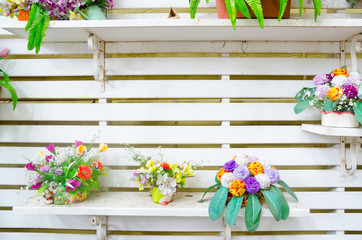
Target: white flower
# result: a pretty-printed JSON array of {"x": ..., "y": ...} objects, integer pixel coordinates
[
  {"x": 243, "y": 160},
  {"x": 264, "y": 180},
  {"x": 226, "y": 179},
  {"x": 166, "y": 185},
  {"x": 355, "y": 74},
  {"x": 265, "y": 164},
  {"x": 339, "y": 81}
]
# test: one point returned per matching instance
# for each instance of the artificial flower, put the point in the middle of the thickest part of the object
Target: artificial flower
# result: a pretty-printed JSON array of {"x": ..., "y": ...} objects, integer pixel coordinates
[
  {"x": 165, "y": 166},
  {"x": 30, "y": 166},
  {"x": 256, "y": 168},
  {"x": 48, "y": 157},
  {"x": 252, "y": 185},
  {"x": 187, "y": 170},
  {"x": 263, "y": 180},
  {"x": 335, "y": 93},
  {"x": 329, "y": 76},
  {"x": 150, "y": 163},
  {"x": 40, "y": 154},
  {"x": 58, "y": 172},
  {"x": 237, "y": 188},
  {"x": 84, "y": 172},
  {"x": 241, "y": 173},
  {"x": 355, "y": 81},
  {"x": 339, "y": 81},
  {"x": 322, "y": 91},
  {"x": 4, "y": 53},
  {"x": 273, "y": 175},
  {"x": 72, "y": 185},
  {"x": 230, "y": 166},
  {"x": 81, "y": 149},
  {"x": 166, "y": 185},
  {"x": 178, "y": 177},
  {"x": 98, "y": 165},
  {"x": 320, "y": 79},
  {"x": 50, "y": 148},
  {"x": 350, "y": 91},
  {"x": 103, "y": 147},
  {"x": 220, "y": 173},
  {"x": 36, "y": 185},
  {"x": 44, "y": 168},
  {"x": 243, "y": 160},
  {"x": 340, "y": 71},
  {"x": 226, "y": 179},
  {"x": 78, "y": 143}
]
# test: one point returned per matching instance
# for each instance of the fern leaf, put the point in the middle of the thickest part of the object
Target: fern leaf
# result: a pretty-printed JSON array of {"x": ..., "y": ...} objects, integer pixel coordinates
[
  {"x": 317, "y": 8},
  {"x": 241, "y": 5},
  {"x": 231, "y": 7},
  {"x": 8, "y": 86},
  {"x": 256, "y": 7},
  {"x": 38, "y": 35},
  {"x": 37, "y": 18},
  {"x": 283, "y": 5},
  {"x": 34, "y": 8},
  {"x": 193, "y": 7},
  {"x": 31, "y": 39},
  {"x": 300, "y": 7}
]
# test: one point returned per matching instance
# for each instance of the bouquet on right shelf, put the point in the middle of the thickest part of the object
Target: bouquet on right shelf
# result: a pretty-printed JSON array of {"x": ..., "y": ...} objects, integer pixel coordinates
[
  {"x": 339, "y": 94},
  {"x": 248, "y": 182}
]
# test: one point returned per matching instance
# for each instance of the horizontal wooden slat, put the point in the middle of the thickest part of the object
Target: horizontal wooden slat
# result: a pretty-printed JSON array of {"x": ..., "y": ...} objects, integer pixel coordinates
[
  {"x": 45, "y": 236},
  {"x": 156, "y": 112},
  {"x": 209, "y": 156},
  {"x": 244, "y": 237},
  {"x": 162, "y": 134},
  {"x": 205, "y": 178}
]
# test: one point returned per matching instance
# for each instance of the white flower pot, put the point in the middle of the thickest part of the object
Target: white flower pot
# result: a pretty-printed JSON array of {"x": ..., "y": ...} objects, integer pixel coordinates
[{"x": 344, "y": 119}]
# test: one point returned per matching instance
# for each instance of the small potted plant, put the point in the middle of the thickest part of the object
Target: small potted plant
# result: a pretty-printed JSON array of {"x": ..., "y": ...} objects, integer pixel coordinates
[
  {"x": 66, "y": 175},
  {"x": 338, "y": 94},
  {"x": 5, "y": 83},
  {"x": 259, "y": 8},
  {"x": 164, "y": 178},
  {"x": 248, "y": 182}
]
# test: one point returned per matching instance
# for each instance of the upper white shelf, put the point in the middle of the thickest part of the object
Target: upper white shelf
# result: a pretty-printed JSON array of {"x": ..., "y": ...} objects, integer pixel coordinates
[
  {"x": 331, "y": 131},
  {"x": 195, "y": 30},
  {"x": 139, "y": 204}
]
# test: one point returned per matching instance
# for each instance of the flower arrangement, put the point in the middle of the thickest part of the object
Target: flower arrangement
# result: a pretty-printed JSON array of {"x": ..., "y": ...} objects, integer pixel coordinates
[
  {"x": 5, "y": 83},
  {"x": 247, "y": 181},
  {"x": 74, "y": 170},
  {"x": 338, "y": 91},
  {"x": 42, "y": 11},
  {"x": 163, "y": 177}
]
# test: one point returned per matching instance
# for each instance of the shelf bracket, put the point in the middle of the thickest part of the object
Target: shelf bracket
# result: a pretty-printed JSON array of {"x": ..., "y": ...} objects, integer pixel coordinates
[
  {"x": 227, "y": 230},
  {"x": 349, "y": 166},
  {"x": 355, "y": 46},
  {"x": 102, "y": 226},
  {"x": 97, "y": 46}
]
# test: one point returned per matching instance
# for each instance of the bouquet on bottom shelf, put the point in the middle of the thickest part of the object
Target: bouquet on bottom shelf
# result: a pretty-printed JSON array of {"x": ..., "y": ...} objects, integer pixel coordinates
[
  {"x": 67, "y": 174},
  {"x": 247, "y": 182},
  {"x": 163, "y": 177}
]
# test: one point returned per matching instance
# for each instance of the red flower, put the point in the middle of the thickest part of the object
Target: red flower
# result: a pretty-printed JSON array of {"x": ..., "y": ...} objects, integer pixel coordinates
[
  {"x": 165, "y": 166},
  {"x": 84, "y": 172},
  {"x": 98, "y": 165}
]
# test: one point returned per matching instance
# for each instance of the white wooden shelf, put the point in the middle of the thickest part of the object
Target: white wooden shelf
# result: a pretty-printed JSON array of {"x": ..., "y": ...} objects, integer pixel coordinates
[
  {"x": 139, "y": 204},
  {"x": 194, "y": 30},
  {"x": 332, "y": 131}
]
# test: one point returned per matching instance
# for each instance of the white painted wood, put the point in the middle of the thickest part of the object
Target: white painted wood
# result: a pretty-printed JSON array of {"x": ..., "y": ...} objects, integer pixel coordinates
[
  {"x": 244, "y": 237},
  {"x": 205, "y": 178},
  {"x": 162, "y": 134},
  {"x": 331, "y": 131},
  {"x": 209, "y": 156},
  {"x": 200, "y": 29},
  {"x": 139, "y": 204},
  {"x": 156, "y": 112},
  {"x": 45, "y": 236},
  {"x": 157, "y": 89}
]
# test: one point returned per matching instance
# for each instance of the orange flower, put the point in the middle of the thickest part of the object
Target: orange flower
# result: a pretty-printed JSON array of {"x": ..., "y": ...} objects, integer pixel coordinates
[
  {"x": 84, "y": 172},
  {"x": 256, "y": 168},
  {"x": 274, "y": 167},
  {"x": 81, "y": 149},
  {"x": 165, "y": 166},
  {"x": 220, "y": 173},
  {"x": 103, "y": 147},
  {"x": 335, "y": 93},
  {"x": 98, "y": 165},
  {"x": 237, "y": 188},
  {"x": 340, "y": 71}
]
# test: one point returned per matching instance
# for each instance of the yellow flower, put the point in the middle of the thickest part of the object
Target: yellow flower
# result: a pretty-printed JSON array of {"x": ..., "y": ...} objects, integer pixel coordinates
[
  {"x": 256, "y": 168},
  {"x": 335, "y": 93},
  {"x": 152, "y": 169},
  {"x": 103, "y": 147},
  {"x": 81, "y": 149},
  {"x": 220, "y": 173},
  {"x": 141, "y": 187},
  {"x": 150, "y": 163},
  {"x": 40, "y": 154},
  {"x": 188, "y": 170},
  {"x": 174, "y": 168},
  {"x": 237, "y": 188},
  {"x": 178, "y": 177}
]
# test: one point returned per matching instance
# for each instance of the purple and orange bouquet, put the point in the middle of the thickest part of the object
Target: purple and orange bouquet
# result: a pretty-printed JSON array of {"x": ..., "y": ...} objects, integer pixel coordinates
[
  {"x": 73, "y": 169},
  {"x": 339, "y": 92},
  {"x": 247, "y": 182}
]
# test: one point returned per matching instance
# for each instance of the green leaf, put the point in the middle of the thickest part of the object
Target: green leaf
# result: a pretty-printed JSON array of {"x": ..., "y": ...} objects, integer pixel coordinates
[
  {"x": 230, "y": 6},
  {"x": 193, "y": 7},
  {"x": 252, "y": 213},
  {"x": 10, "y": 88},
  {"x": 217, "y": 203},
  {"x": 357, "y": 108},
  {"x": 288, "y": 189},
  {"x": 273, "y": 204},
  {"x": 32, "y": 13},
  {"x": 300, "y": 7},
  {"x": 317, "y": 8},
  {"x": 284, "y": 203},
  {"x": 241, "y": 5},
  {"x": 283, "y": 5},
  {"x": 301, "y": 106},
  {"x": 36, "y": 19},
  {"x": 256, "y": 7},
  {"x": 329, "y": 105},
  {"x": 233, "y": 209},
  {"x": 43, "y": 188},
  {"x": 207, "y": 190}
]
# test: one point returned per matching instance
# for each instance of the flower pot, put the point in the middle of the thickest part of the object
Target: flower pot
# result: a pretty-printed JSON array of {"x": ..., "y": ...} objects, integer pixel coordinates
[
  {"x": 159, "y": 198},
  {"x": 335, "y": 119},
  {"x": 270, "y": 9},
  {"x": 65, "y": 198}
]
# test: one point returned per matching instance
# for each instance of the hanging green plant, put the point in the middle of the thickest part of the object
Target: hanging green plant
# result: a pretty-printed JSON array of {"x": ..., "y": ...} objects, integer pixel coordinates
[{"x": 6, "y": 82}]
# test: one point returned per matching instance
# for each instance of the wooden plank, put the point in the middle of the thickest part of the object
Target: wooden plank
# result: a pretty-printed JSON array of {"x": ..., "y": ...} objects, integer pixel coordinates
[
  {"x": 162, "y": 134},
  {"x": 246, "y": 237},
  {"x": 157, "y": 89},
  {"x": 45, "y": 236},
  {"x": 156, "y": 112},
  {"x": 209, "y": 156},
  {"x": 205, "y": 178},
  {"x": 331, "y": 131}
]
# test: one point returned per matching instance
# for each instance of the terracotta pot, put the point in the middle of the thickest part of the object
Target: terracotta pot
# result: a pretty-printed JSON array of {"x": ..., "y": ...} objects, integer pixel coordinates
[
  {"x": 344, "y": 119},
  {"x": 23, "y": 15},
  {"x": 270, "y": 9}
]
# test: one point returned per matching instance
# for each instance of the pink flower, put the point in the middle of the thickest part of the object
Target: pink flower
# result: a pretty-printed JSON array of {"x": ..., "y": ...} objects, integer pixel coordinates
[
  {"x": 50, "y": 148},
  {"x": 48, "y": 157},
  {"x": 72, "y": 184},
  {"x": 30, "y": 166},
  {"x": 4, "y": 52},
  {"x": 36, "y": 185},
  {"x": 45, "y": 168},
  {"x": 78, "y": 143}
]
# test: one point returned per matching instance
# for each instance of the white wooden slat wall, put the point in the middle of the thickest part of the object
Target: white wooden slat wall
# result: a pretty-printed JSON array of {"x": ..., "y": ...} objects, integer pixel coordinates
[{"x": 170, "y": 94}]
